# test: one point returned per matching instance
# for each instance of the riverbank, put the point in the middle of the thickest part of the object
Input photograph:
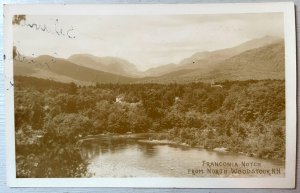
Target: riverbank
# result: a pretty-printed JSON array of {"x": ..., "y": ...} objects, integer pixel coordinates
[
  {"x": 165, "y": 139},
  {"x": 162, "y": 142},
  {"x": 148, "y": 138},
  {"x": 169, "y": 142},
  {"x": 64, "y": 115},
  {"x": 170, "y": 160},
  {"x": 116, "y": 136}
]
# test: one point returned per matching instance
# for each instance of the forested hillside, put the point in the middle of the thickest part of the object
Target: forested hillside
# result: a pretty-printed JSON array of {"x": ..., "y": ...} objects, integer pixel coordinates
[
  {"x": 261, "y": 63},
  {"x": 257, "y": 59},
  {"x": 242, "y": 116},
  {"x": 62, "y": 70}
]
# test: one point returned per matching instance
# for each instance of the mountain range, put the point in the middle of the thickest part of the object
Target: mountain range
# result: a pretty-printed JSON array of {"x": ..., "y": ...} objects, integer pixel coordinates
[
  {"x": 207, "y": 59},
  {"x": 261, "y": 58},
  {"x": 106, "y": 64},
  {"x": 63, "y": 70}
]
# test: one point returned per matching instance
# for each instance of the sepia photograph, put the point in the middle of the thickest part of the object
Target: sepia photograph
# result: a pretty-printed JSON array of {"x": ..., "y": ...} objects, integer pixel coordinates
[{"x": 129, "y": 96}]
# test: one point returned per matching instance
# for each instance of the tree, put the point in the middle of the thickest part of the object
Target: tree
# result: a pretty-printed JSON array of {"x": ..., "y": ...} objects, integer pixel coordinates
[
  {"x": 72, "y": 88},
  {"x": 69, "y": 125}
]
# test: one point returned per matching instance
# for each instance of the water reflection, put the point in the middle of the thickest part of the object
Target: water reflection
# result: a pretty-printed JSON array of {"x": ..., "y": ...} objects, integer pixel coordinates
[
  {"x": 110, "y": 157},
  {"x": 148, "y": 150},
  {"x": 97, "y": 147}
]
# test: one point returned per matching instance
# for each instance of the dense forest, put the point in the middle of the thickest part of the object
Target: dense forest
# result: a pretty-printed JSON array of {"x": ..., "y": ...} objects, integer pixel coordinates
[{"x": 50, "y": 117}]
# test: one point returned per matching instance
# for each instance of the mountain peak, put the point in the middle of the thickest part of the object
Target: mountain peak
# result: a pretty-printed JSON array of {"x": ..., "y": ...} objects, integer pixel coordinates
[
  {"x": 107, "y": 64},
  {"x": 208, "y": 59},
  {"x": 262, "y": 55}
]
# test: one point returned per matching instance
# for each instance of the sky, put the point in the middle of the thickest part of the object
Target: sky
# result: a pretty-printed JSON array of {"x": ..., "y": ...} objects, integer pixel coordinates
[{"x": 145, "y": 40}]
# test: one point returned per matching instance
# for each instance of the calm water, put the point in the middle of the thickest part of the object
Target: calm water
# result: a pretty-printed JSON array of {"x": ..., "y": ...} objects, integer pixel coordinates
[{"x": 109, "y": 157}]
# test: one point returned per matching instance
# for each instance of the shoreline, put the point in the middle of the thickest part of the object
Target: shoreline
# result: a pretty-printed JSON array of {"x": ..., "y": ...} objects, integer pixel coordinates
[
  {"x": 162, "y": 142},
  {"x": 140, "y": 137}
]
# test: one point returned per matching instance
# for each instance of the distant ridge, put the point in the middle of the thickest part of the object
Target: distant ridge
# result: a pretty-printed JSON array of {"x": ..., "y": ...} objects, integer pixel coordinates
[
  {"x": 203, "y": 60},
  {"x": 257, "y": 59},
  {"x": 106, "y": 64},
  {"x": 267, "y": 62},
  {"x": 63, "y": 70}
]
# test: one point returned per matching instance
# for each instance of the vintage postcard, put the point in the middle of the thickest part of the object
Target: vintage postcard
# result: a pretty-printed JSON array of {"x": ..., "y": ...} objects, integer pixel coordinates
[{"x": 165, "y": 95}]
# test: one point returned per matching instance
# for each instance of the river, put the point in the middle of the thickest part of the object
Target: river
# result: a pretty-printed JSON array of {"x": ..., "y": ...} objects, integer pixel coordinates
[{"x": 123, "y": 157}]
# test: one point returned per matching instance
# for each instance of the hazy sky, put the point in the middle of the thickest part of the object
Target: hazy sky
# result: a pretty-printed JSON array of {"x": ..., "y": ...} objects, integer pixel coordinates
[{"x": 146, "y": 41}]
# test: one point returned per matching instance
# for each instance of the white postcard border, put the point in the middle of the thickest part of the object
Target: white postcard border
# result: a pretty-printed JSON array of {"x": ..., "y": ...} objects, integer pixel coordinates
[{"x": 147, "y": 9}]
